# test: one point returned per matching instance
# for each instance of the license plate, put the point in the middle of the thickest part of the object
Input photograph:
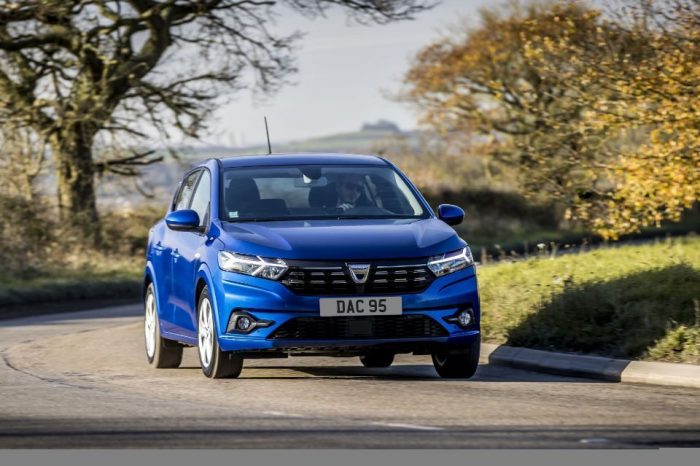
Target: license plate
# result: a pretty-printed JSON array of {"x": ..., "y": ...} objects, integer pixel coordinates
[{"x": 375, "y": 306}]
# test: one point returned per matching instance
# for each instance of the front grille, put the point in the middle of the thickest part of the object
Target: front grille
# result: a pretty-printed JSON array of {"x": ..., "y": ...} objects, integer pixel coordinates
[
  {"x": 399, "y": 279},
  {"x": 336, "y": 280},
  {"x": 338, "y": 328}
]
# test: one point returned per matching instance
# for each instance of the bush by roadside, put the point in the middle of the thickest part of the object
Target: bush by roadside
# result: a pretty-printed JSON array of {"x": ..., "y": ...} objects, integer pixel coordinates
[
  {"x": 92, "y": 278},
  {"x": 682, "y": 344},
  {"x": 125, "y": 232},
  {"x": 43, "y": 263},
  {"x": 24, "y": 236},
  {"x": 499, "y": 214},
  {"x": 630, "y": 301}
]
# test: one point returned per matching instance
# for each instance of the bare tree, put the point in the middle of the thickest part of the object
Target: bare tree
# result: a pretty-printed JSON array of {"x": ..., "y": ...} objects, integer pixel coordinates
[{"x": 70, "y": 69}]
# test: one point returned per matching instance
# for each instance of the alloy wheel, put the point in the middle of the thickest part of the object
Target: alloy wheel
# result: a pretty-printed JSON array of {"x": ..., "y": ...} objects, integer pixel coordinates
[
  {"x": 206, "y": 333},
  {"x": 150, "y": 323}
]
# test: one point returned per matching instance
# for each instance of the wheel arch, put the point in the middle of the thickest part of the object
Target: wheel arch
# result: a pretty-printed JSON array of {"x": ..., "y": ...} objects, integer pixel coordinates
[
  {"x": 203, "y": 279},
  {"x": 201, "y": 283},
  {"x": 149, "y": 277},
  {"x": 147, "y": 280}
]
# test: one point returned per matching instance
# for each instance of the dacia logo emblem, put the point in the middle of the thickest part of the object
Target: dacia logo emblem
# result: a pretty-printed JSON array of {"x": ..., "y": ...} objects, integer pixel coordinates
[{"x": 359, "y": 272}]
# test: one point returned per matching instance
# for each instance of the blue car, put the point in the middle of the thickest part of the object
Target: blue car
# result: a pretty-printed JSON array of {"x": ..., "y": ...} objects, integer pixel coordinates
[{"x": 313, "y": 254}]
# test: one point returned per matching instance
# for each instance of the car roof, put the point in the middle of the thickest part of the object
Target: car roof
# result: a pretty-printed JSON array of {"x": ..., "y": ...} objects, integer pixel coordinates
[{"x": 301, "y": 159}]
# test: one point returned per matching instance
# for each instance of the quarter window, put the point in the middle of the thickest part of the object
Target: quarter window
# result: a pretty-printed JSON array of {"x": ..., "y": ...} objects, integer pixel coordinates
[
  {"x": 182, "y": 201},
  {"x": 201, "y": 198}
]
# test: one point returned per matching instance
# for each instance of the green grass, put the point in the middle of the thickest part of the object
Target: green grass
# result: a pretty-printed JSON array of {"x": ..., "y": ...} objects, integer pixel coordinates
[{"x": 629, "y": 301}]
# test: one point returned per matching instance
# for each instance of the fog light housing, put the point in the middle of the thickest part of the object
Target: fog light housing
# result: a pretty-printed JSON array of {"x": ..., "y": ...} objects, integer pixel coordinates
[
  {"x": 464, "y": 318},
  {"x": 244, "y": 322}
]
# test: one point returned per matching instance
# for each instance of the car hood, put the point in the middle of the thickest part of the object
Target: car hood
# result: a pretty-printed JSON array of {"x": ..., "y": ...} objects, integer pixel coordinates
[{"x": 341, "y": 239}]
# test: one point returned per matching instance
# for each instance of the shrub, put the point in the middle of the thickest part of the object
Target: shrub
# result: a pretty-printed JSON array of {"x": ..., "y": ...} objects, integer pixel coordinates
[
  {"x": 681, "y": 344},
  {"x": 126, "y": 232},
  {"x": 26, "y": 233}
]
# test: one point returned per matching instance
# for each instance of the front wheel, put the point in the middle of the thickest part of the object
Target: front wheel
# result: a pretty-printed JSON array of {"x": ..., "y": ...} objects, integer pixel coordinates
[
  {"x": 460, "y": 364},
  {"x": 160, "y": 352},
  {"x": 216, "y": 364}
]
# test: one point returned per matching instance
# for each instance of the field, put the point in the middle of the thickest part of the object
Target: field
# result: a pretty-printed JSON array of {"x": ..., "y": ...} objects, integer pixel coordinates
[
  {"x": 628, "y": 301},
  {"x": 94, "y": 278}
]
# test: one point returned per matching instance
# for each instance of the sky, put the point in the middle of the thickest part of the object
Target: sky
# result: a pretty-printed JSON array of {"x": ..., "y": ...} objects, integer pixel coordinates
[{"x": 345, "y": 73}]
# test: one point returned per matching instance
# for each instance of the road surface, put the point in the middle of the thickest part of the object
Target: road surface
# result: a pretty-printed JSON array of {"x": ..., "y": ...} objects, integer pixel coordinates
[{"x": 81, "y": 380}]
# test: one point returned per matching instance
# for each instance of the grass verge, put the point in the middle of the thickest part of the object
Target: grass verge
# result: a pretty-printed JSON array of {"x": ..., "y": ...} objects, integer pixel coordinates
[
  {"x": 640, "y": 302},
  {"x": 96, "y": 279}
]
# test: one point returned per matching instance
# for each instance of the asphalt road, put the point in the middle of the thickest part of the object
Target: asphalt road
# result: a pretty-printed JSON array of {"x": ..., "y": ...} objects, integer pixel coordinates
[{"x": 81, "y": 380}]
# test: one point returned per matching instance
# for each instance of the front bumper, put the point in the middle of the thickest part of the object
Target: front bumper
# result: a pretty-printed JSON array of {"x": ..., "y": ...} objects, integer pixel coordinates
[{"x": 271, "y": 301}]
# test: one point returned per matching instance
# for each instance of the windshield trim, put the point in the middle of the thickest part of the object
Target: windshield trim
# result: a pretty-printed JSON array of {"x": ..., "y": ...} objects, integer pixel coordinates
[{"x": 427, "y": 211}]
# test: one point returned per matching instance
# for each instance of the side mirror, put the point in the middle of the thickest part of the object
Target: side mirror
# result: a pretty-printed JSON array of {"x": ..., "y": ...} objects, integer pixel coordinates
[
  {"x": 182, "y": 220},
  {"x": 450, "y": 214}
]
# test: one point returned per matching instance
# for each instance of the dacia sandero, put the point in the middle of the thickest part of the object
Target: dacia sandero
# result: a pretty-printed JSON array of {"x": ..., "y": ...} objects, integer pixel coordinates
[{"x": 308, "y": 254}]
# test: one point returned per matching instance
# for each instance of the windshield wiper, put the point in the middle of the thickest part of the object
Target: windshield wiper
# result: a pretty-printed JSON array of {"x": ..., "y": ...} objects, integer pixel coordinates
[
  {"x": 266, "y": 219},
  {"x": 277, "y": 219}
]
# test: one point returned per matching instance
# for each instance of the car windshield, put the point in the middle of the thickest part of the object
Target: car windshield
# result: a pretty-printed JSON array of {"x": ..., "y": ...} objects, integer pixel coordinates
[{"x": 317, "y": 192}]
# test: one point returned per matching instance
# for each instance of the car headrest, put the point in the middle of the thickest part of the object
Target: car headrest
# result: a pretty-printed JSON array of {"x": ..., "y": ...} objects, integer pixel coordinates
[
  {"x": 323, "y": 196},
  {"x": 327, "y": 196},
  {"x": 241, "y": 194}
]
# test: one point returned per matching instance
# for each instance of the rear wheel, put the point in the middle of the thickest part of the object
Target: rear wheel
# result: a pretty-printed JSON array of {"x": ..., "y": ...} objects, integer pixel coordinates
[
  {"x": 160, "y": 352},
  {"x": 460, "y": 364},
  {"x": 377, "y": 359},
  {"x": 216, "y": 364}
]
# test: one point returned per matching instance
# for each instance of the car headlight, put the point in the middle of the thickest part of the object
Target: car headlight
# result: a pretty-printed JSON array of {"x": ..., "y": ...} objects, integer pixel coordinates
[
  {"x": 252, "y": 265},
  {"x": 450, "y": 262}
]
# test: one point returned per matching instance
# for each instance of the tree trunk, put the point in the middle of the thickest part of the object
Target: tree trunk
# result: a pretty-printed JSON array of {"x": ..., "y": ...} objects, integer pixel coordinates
[{"x": 75, "y": 175}]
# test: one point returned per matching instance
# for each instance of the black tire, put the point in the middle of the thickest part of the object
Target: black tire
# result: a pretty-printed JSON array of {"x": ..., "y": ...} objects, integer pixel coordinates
[
  {"x": 221, "y": 364},
  {"x": 377, "y": 359},
  {"x": 460, "y": 364},
  {"x": 165, "y": 354}
]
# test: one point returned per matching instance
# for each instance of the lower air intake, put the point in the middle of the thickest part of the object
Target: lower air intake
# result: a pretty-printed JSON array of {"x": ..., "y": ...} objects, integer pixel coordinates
[{"x": 338, "y": 328}]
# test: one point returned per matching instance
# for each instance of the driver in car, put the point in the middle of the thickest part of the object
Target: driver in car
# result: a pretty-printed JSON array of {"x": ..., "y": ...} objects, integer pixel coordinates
[{"x": 349, "y": 190}]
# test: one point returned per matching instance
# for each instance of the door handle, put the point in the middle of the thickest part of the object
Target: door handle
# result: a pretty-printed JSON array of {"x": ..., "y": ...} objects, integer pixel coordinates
[{"x": 158, "y": 249}]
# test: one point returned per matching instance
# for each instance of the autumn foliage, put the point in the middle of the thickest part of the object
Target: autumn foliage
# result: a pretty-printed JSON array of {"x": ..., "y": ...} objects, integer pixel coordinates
[{"x": 599, "y": 110}]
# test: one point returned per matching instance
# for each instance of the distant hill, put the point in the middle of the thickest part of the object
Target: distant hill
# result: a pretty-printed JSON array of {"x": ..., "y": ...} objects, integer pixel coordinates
[
  {"x": 368, "y": 140},
  {"x": 381, "y": 125}
]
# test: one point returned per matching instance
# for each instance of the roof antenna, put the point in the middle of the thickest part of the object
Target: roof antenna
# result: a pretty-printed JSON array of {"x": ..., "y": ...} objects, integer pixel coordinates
[{"x": 267, "y": 132}]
